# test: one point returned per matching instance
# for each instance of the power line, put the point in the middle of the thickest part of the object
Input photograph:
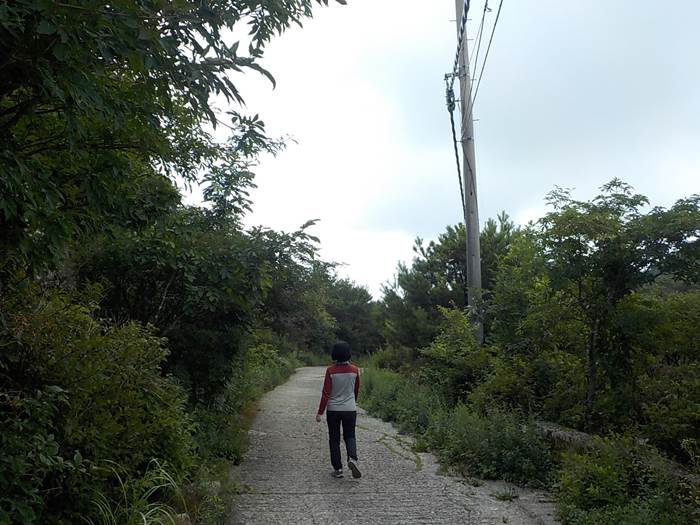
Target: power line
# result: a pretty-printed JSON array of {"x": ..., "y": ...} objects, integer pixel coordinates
[
  {"x": 450, "y": 96},
  {"x": 483, "y": 64},
  {"x": 479, "y": 35},
  {"x": 473, "y": 59}
]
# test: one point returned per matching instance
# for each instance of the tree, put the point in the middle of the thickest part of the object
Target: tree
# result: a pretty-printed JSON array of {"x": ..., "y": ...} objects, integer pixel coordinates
[
  {"x": 199, "y": 286},
  {"x": 496, "y": 238},
  {"x": 598, "y": 252},
  {"x": 295, "y": 304},
  {"x": 357, "y": 315},
  {"x": 437, "y": 278},
  {"x": 93, "y": 94}
]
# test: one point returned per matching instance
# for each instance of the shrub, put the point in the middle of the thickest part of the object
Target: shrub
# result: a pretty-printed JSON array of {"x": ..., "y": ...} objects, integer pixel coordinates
[
  {"x": 495, "y": 444},
  {"x": 313, "y": 358},
  {"x": 379, "y": 392},
  {"x": 550, "y": 385},
  {"x": 223, "y": 423},
  {"x": 658, "y": 510},
  {"x": 672, "y": 407},
  {"x": 78, "y": 395},
  {"x": 453, "y": 363},
  {"x": 393, "y": 358},
  {"x": 616, "y": 481},
  {"x": 30, "y": 451}
]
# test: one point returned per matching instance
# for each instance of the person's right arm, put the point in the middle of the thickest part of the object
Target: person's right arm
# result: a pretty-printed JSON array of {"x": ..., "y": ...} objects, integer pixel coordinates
[{"x": 325, "y": 394}]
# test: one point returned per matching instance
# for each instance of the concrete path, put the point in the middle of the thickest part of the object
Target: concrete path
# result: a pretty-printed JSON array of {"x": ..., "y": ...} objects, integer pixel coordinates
[{"x": 286, "y": 474}]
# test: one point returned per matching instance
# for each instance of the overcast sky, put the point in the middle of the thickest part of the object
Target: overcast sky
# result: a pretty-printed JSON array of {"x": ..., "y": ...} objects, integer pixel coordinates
[{"x": 574, "y": 94}]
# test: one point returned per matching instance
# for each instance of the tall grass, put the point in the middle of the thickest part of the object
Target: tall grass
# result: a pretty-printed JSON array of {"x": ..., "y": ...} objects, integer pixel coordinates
[
  {"x": 495, "y": 444},
  {"x": 142, "y": 501}
]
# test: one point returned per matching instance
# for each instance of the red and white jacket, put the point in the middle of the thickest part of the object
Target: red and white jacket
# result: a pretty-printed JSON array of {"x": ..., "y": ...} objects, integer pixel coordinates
[{"x": 340, "y": 388}]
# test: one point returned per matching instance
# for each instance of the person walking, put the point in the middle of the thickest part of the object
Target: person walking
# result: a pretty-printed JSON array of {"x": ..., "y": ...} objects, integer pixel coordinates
[{"x": 341, "y": 387}]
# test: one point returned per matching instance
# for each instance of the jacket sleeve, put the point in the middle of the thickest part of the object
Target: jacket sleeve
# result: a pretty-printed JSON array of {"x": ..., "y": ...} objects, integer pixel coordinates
[
  {"x": 325, "y": 394},
  {"x": 357, "y": 384}
]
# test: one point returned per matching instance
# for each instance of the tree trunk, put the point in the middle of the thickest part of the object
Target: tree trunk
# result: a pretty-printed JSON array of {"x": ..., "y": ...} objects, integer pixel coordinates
[{"x": 591, "y": 369}]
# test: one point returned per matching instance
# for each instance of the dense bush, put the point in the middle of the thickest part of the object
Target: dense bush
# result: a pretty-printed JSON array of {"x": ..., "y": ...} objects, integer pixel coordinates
[
  {"x": 617, "y": 481},
  {"x": 549, "y": 386},
  {"x": 222, "y": 424},
  {"x": 453, "y": 363},
  {"x": 90, "y": 427},
  {"x": 394, "y": 358},
  {"x": 79, "y": 396},
  {"x": 590, "y": 315},
  {"x": 494, "y": 445}
]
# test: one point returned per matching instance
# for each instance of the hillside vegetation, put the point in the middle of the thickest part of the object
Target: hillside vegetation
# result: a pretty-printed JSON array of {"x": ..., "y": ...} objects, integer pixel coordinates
[
  {"x": 137, "y": 332},
  {"x": 591, "y": 318}
]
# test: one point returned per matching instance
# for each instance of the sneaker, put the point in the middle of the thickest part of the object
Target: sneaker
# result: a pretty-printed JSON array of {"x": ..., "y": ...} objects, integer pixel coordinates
[
  {"x": 352, "y": 465},
  {"x": 337, "y": 473}
]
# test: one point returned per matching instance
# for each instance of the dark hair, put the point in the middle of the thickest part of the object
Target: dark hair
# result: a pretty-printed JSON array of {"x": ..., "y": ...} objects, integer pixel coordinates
[{"x": 340, "y": 352}]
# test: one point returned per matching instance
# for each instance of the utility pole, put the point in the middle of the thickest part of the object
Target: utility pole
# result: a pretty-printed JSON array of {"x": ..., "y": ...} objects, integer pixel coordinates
[{"x": 469, "y": 170}]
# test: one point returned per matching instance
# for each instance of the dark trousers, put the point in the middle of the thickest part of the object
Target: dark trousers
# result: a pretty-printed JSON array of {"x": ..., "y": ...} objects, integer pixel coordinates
[{"x": 347, "y": 418}]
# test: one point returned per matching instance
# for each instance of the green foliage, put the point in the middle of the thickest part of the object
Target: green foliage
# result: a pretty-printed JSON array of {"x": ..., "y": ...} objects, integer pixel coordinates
[
  {"x": 140, "y": 500},
  {"x": 388, "y": 395},
  {"x": 90, "y": 395},
  {"x": 614, "y": 482},
  {"x": 197, "y": 285},
  {"x": 453, "y": 363},
  {"x": 357, "y": 315},
  {"x": 203, "y": 283},
  {"x": 436, "y": 279},
  {"x": 591, "y": 321},
  {"x": 101, "y": 108},
  {"x": 394, "y": 358},
  {"x": 28, "y": 461},
  {"x": 658, "y": 510},
  {"x": 663, "y": 339},
  {"x": 494, "y": 444},
  {"x": 549, "y": 385},
  {"x": 222, "y": 424},
  {"x": 599, "y": 252},
  {"x": 92, "y": 95},
  {"x": 582, "y": 338},
  {"x": 313, "y": 359},
  {"x": 495, "y": 243},
  {"x": 295, "y": 306}
]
